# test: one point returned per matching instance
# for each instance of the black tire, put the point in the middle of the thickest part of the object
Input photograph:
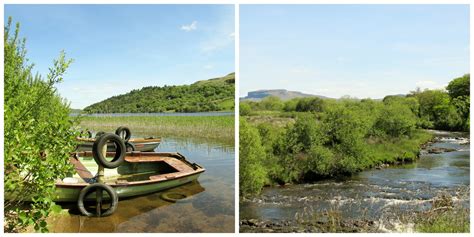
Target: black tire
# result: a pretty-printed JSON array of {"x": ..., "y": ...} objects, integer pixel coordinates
[
  {"x": 130, "y": 147},
  {"x": 120, "y": 151},
  {"x": 120, "y": 130},
  {"x": 98, "y": 187},
  {"x": 173, "y": 197},
  {"x": 98, "y": 134}
]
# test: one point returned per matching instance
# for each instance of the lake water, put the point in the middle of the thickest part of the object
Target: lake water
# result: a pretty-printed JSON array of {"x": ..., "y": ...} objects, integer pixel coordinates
[
  {"x": 209, "y": 206},
  {"x": 375, "y": 194}
]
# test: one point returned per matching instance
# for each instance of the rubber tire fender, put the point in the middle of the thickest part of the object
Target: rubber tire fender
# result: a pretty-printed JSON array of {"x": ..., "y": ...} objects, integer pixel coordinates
[
  {"x": 120, "y": 151},
  {"x": 121, "y": 129},
  {"x": 98, "y": 134},
  {"x": 167, "y": 196},
  {"x": 130, "y": 147},
  {"x": 98, "y": 186}
]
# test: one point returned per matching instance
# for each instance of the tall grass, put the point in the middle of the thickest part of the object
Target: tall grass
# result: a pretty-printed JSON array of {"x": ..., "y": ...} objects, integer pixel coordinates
[{"x": 216, "y": 128}]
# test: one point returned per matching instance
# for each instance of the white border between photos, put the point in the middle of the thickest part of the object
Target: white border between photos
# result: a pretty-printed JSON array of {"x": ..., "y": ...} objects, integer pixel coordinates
[{"x": 236, "y": 3}]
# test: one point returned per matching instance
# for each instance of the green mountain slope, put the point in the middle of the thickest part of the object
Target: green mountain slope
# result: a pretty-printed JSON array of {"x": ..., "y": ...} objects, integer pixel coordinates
[{"x": 215, "y": 94}]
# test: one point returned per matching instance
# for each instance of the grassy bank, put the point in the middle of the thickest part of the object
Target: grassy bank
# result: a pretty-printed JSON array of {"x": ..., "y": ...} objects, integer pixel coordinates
[
  {"x": 216, "y": 128},
  {"x": 400, "y": 150}
]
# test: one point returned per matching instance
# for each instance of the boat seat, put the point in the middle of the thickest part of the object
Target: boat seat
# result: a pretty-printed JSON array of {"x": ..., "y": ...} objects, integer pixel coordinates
[
  {"x": 164, "y": 176},
  {"x": 83, "y": 172}
]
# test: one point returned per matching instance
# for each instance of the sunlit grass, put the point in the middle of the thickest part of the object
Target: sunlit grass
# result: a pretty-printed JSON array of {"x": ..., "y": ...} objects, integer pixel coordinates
[{"x": 216, "y": 128}]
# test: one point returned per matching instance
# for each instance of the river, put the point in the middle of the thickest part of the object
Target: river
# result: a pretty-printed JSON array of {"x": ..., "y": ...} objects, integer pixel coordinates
[
  {"x": 377, "y": 195},
  {"x": 209, "y": 206}
]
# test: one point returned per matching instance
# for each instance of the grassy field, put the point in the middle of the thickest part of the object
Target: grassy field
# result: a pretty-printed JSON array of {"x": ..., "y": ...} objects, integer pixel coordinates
[{"x": 216, "y": 128}]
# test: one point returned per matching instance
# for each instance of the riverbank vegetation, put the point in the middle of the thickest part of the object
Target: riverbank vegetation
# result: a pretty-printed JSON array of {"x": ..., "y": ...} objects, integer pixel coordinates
[
  {"x": 308, "y": 139},
  {"x": 39, "y": 136},
  {"x": 217, "y": 128},
  {"x": 209, "y": 95}
]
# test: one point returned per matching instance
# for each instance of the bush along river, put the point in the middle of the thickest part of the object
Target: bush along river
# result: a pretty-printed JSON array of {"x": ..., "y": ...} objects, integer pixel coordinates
[
  {"x": 398, "y": 198},
  {"x": 208, "y": 206}
]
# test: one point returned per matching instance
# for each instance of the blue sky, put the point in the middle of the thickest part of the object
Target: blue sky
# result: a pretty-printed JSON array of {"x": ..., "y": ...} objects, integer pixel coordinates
[
  {"x": 357, "y": 50},
  {"x": 117, "y": 48}
]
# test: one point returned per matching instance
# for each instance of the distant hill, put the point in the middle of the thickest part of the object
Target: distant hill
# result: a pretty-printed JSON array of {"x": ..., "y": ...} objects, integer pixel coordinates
[
  {"x": 222, "y": 81},
  {"x": 215, "y": 94},
  {"x": 281, "y": 93}
]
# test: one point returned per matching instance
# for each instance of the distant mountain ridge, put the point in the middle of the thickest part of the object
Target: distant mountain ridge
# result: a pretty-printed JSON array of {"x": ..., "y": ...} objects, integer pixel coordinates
[
  {"x": 216, "y": 94},
  {"x": 280, "y": 93}
]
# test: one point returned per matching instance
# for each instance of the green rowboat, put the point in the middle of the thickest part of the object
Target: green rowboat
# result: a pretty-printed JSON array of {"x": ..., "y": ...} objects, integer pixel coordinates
[{"x": 142, "y": 173}]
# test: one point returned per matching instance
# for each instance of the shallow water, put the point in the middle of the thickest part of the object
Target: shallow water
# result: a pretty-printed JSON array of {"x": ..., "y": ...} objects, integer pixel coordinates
[
  {"x": 372, "y": 194},
  {"x": 209, "y": 206}
]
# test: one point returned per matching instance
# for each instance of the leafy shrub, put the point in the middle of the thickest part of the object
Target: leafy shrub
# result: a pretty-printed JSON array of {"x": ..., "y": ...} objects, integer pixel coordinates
[
  {"x": 244, "y": 109},
  {"x": 252, "y": 174},
  {"x": 39, "y": 136},
  {"x": 310, "y": 104},
  {"x": 271, "y": 103},
  {"x": 395, "y": 120}
]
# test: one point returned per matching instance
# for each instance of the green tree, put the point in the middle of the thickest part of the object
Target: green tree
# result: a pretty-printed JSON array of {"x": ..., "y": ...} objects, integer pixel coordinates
[
  {"x": 290, "y": 105},
  {"x": 459, "y": 87},
  {"x": 39, "y": 136},
  {"x": 311, "y": 104},
  {"x": 252, "y": 174},
  {"x": 244, "y": 109},
  {"x": 396, "y": 119},
  {"x": 429, "y": 100},
  {"x": 271, "y": 103}
]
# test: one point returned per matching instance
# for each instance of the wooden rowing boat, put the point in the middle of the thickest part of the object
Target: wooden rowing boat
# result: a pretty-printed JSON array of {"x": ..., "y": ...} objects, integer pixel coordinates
[
  {"x": 141, "y": 173},
  {"x": 139, "y": 144}
]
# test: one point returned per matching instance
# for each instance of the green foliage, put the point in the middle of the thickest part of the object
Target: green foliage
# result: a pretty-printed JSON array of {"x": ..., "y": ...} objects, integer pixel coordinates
[
  {"x": 312, "y": 138},
  {"x": 244, "y": 109},
  {"x": 444, "y": 111},
  {"x": 459, "y": 87},
  {"x": 252, "y": 174},
  {"x": 395, "y": 120},
  {"x": 310, "y": 104},
  {"x": 290, "y": 105},
  {"x": 211, "y": 95},
  {"x": 271, "y": 103},
  {"x": 39, "y": 136}
]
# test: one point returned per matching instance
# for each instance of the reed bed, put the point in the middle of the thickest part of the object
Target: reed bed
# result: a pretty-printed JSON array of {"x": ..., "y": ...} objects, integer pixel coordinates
[{"x": 216, "y": 128}]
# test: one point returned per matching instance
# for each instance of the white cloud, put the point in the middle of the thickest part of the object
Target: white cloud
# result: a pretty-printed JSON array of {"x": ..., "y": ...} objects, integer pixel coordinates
[
  {"x": 232, "y": 35},
  {"x": 191, "y": 27}
]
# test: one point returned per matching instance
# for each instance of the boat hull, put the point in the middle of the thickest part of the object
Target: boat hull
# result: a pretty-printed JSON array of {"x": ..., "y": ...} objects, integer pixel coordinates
[
  {"x": 141, "y": 146},
  {"x": 70, "y": 193}
]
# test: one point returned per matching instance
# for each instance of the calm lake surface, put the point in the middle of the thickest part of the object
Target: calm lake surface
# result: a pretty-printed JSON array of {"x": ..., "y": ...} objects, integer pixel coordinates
[
  {"x": 158, "y": 114},
  {"x": 376, "y": 194},
  {"x": 209, "y": 206}
]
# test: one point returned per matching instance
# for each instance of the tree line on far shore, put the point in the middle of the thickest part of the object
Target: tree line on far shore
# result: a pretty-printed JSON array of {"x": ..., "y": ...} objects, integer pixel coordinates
[{"x": 203, "y": 96}]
